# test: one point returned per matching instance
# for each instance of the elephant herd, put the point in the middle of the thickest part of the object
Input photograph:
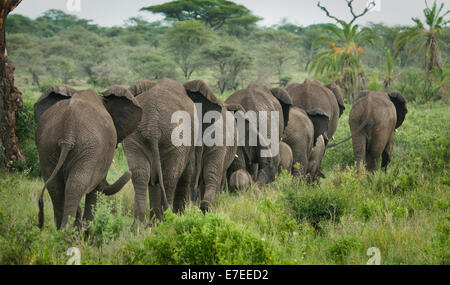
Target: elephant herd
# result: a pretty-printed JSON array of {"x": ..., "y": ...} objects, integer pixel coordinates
[{"x": 78, "y": 132}]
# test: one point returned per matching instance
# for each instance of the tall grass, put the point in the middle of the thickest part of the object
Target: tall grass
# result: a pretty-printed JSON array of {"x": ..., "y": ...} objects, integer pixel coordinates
[{"x": 405, "y": 213}]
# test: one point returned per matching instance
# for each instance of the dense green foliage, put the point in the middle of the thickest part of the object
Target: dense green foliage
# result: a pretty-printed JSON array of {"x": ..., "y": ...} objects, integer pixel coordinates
[{"x": 61, "y": 48}]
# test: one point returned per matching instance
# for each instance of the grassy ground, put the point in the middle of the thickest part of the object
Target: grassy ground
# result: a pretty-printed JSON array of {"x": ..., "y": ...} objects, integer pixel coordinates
[{"x": 404, "y": 213}]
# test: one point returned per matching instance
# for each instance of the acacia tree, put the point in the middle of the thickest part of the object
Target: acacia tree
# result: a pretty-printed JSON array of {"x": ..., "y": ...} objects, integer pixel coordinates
[
  {"x": 185, "y": 39},
  {"x": 279, "y": 48},
  {"x": 214, "y": 13},
  {"x": 10, "y": 96},
  {"x": 229, "y": 60}
]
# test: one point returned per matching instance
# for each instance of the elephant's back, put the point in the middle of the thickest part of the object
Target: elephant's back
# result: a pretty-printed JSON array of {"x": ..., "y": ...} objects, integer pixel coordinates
[
  {"x": 299, "y": 134},
  {"x": 258, "y": 98},
  {"x": 372, "y": 110},
  {"x": 311, "y": 95},
  {"x": 159, "y": 104},
  {"x": 78, "y": 120},
  {"x": 299, "y": 124},
  {"x": 253, "y": 98}
]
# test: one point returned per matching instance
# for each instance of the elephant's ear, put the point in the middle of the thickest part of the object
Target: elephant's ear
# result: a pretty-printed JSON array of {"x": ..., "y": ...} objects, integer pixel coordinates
[
  {"x": 400, "y": 106},
  {"x": 199, "y": 92},
  {"x": 140, "y": 87},
  {"x": 50, "y": 97},
  {"x": 235, "y": 107},
  {"x": 285, "y": 100},
  {"x": 124, "y": 110},
  {"x": 363, "y": 93},
  {"x": 320, "y": 120},
  {"x": 338, "y": 94}
]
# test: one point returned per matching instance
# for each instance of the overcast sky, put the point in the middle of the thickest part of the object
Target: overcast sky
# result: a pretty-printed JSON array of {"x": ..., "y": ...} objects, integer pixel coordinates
[{"x": 300, "y": 12}]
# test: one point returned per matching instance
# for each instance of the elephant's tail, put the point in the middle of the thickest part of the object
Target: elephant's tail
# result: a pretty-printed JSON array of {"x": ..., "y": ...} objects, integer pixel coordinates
[
  {"x": 361, "y": 127},
  {"x": 118, "y": 185},
  {"x": 65, "y": 149},
  {"x": 341, "y": 142},
  {"x": 157, "y": 162}
]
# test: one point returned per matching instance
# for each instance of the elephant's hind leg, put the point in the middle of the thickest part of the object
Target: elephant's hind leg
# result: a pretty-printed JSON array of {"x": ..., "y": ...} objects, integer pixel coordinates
[
  {"x": 75, "y": 188},
  {"x": 182, "y": 190},
  {"x": 387, "y": 154},
  {"x": 359, "y": 142},
  {"x": 56, "y": 192},
  {"x": 140, "y": 178},
  {"x": 155, "y": 198}
]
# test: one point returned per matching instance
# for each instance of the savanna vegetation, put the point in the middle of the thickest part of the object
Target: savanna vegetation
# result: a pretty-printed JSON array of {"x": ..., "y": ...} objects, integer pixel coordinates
[{"x": 405, "y": 212}]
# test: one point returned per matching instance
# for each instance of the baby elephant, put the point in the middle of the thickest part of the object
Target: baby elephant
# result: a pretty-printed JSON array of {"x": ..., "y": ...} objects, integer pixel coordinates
[
  {"x": 373, "y": 119},
  {"x": 239, "y": 180},
  {"x": 306, "y": 136},
  {"x": 286, "y": 157}
]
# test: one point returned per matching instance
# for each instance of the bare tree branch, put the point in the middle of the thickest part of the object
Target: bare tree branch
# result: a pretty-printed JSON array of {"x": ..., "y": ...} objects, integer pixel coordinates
[
  {"x": 369, "y": 7},
  {"x": 327, "y": 12}
]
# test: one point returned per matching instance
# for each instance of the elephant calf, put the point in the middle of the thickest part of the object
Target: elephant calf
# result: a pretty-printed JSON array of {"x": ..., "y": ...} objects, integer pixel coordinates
[
  {"x": 286, "y": 157},
  {"x": 306, "y": 135},
  {"x": 239, "y": 180},
  {"x": 76, "y": 136},
  {"x": 373, "y": 119}
]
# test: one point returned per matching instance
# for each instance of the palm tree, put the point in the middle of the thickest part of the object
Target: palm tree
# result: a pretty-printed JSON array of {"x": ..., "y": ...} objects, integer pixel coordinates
[
  {"x": 389, "y": 76},
  {"x": 426, "y": 40},
  {"x": 341, "y": 61}
]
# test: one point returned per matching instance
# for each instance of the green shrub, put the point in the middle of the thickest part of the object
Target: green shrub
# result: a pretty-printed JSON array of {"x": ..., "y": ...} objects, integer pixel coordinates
[
  {"x": 414, "y": 85},
  {"x": 374, "y": 84},
  {"x": 25, "y": 129},
  {"x": 108, "y": 221},
  {"x": 314, "y": 205},
  {"x": 342, "y": 247},
  {"x": 208, "y": 239}
]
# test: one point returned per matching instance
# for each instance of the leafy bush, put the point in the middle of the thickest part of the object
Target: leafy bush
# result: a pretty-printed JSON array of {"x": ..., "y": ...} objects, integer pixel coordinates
[
  {"x": 374, "y": 84},
  {"x": 314, "y": 205},
  {"x": 208, "y": 239},
  {"x": 342, "y": 247},
  {"x": 414, "y": 85},
  {"x": 108, "y": 221},
  {"x": 25, "y": 128}
]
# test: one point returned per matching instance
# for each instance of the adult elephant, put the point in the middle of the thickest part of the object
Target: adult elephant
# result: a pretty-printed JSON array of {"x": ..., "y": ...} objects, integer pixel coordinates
[
  {"x": 373, "y": 119},
  {"x": 258, "y": 99},
  {"x": 159, "y": 163},
  {"x": 217, "y": 145},
  {"x": 305, "y": 135},
  {"x": 76, "y": 136},
  {"x": 312, "y": 95}
]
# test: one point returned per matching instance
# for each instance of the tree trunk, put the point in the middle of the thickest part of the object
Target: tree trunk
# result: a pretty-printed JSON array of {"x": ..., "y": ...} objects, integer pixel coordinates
[{"x": 10, "y": 96}]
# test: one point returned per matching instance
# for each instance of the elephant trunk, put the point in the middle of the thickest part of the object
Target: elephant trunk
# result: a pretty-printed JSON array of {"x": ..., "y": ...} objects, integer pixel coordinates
[{"x": 118, "y": 185}]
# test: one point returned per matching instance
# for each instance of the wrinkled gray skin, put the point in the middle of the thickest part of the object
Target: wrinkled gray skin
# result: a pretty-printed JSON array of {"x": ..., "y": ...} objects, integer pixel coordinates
[
  {"x": 312, "y": 95},
  {"x": 315, "y": 159},
  {"x": 212, "y": 161},
  {"x": 76, "y": 136},
  {"x": 157, "y": 166},
  {"x": 373, "y": 119},
  {"x": 286, "y": 157},
  {"x": 239, "y": 180},
  {"x": 304, "y": 134},
  {"x": 259, "y": 98}
]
